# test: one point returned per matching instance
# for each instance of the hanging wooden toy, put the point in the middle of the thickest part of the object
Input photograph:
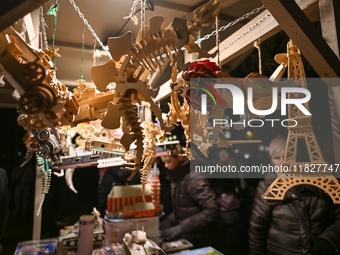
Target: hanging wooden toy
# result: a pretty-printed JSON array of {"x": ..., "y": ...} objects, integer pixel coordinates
[{"x": 323, "y": 178}]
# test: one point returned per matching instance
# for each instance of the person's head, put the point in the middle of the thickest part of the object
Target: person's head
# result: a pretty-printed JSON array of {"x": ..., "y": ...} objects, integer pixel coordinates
[
  {"x": 277, "y": 150},
  {"x": 223, "y": 155},
  {"x": 174, "y": 159}
]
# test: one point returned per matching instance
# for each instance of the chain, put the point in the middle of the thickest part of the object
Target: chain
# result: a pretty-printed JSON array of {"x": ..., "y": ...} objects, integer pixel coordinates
[
  {"x": 245, "y": 16},
  {"x": 105, "y": 48},
  {"x": 246, "y": 32},
  {"x": 43, "y": 28}
]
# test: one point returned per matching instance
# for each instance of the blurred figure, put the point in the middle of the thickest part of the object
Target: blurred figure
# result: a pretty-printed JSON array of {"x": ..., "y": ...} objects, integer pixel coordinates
[
  {"x": 23, "y": 178},
  {"x": 3, "y": 203},
  {"x": 193, "y": 202},
  {"x": 227, "y": 191},
  {"x": 305, "y": 222}
]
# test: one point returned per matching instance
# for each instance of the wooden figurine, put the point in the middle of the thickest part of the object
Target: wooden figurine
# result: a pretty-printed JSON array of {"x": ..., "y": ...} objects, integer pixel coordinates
[
  {"x": 127, "y": 202},
  {"x": 43, "y": 101},
  {"x": 137, "y": 243},
  {"x": 322, "y": 179},
  {"x": 151, "y": 130},
  {"x": 191, "y": 95},
  {"x": 132, "y": 63}
]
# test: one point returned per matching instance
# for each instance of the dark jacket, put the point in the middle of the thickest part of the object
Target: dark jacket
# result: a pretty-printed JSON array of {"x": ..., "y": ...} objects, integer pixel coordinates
[
  {"x": 194, "y": 202},
  {"x": 275, "y": 229},
  {"x": 3, "y": 203}
]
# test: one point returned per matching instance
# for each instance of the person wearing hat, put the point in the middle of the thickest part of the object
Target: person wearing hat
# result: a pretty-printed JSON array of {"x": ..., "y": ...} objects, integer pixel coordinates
[
  {"x": 193, "y": 202},
  {"x": 305, "y": 222}
]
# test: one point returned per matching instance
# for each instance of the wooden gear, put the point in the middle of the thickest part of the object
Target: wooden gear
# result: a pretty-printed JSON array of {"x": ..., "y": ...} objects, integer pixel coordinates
[{"x": 304, "y": 131}]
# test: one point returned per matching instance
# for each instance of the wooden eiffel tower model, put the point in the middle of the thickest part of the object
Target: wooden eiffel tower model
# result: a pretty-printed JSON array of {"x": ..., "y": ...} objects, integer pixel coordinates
[{"x": 316, "y": 172}]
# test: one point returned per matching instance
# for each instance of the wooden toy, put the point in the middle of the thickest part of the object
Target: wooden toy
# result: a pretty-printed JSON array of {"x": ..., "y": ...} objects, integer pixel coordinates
[
  {"x": 178, "y": 112},
  {"x": 104, "y": 141},
  {"x": 151, "y": 130},
  {"x": 321, "y": 178},
  {"x": 127, "y": 202},
  {"x": 182, "y": 86},
  {"x": 92, "y": 104},
  {"x": 43, "y": 100},
  {"x": 132, "y": 63},
  {"x": 137, "y": 243}
]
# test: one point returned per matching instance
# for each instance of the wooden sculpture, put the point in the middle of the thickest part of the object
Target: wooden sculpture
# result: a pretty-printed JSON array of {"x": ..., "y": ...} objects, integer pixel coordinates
[
  {"x": 131, "y": 65},
  {"x": 104, "y": 141},
  {"x": 303, "y": 130},
  {"x": 179, "y": 113},
  {"x": 151, "y": 130},
  {"x": 92, "y": 104},
  {"x": 192, "y": 92},
  {"x": 43, "y": 101},
  {"x": 45, "y": 104}
]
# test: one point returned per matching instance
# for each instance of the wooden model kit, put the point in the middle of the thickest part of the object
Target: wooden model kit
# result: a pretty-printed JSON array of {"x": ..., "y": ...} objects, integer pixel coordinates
[
  {"x": 322, "y": 179},
  {"x": 191, "y": 94},
  {"x": 125, "y": 202},
  {"x": 151, "y": 130},
  {"x": 137, "y": 243},
  {"x": 131, "y": 64}
]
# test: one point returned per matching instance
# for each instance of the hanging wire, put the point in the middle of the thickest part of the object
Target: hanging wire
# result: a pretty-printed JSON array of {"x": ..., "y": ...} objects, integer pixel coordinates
[
  {"x": 81, "y": 15},
  {"x": 43, "y": 26},
  {"x": 143, "y": 18},
  {"x": 230, "y": 24},
  {"x": 217, "y": 41},
  {"x": 258, "y": 23},
  {"x": 82, "y": 54},
  {"x": 54, "y": 11}
]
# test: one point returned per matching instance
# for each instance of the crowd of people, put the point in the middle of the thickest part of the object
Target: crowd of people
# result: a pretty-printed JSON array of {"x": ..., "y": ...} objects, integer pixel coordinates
[
  {"x": 228, "y": 214},
  {"x": 305, "y": 222}
]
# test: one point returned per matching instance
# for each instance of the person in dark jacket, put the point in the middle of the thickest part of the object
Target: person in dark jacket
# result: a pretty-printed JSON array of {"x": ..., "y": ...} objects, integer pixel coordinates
[
  {"x": 275, "y": 227},
  {"x": 3, "y": 203},
  {"x": 193, "y": 201}
]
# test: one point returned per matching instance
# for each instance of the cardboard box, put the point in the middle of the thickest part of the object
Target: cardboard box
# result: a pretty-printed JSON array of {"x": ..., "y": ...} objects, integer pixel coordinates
[{"x": 116, "y": 229}]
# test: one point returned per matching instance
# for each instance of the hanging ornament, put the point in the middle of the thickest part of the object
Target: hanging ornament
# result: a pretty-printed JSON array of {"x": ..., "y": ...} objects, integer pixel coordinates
[{"x": 54, "y": 11}]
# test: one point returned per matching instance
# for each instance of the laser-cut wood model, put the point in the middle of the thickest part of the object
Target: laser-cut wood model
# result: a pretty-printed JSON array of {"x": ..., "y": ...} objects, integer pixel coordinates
[
  {"x": 151, "y": 130},
  {"x": 104, "y": 141},
  {"x": 92, "y": 104},
  {"x": 191, "y": 93},
  {"x": 132, "y": 63},
  {"x": 43, "y": 100},
  {"x": 178, "y": 113},
  {"x": 321, "y": 178}
]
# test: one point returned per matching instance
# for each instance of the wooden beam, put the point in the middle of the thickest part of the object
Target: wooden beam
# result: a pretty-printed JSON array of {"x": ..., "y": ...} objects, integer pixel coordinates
[
  {"x": 297, "y": 26},
  {"x": 265, "y": 30},
  {"x": 330, "y": 23},
  {"x": 268, "y": 28},
  {"x": 13, "y": 10},
  {"x": 32, "y": 25},
  {"x": 329, "y": 18}
]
